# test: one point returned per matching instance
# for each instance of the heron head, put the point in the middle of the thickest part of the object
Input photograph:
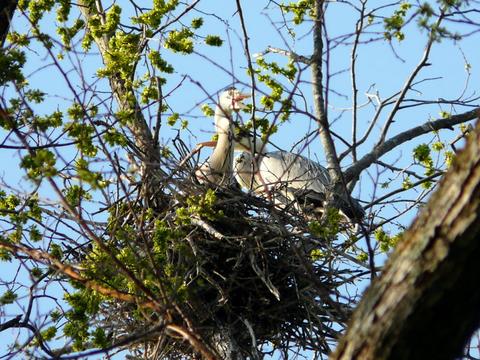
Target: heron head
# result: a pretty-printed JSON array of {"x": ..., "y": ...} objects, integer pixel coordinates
[{"x": 232, "y": 100}]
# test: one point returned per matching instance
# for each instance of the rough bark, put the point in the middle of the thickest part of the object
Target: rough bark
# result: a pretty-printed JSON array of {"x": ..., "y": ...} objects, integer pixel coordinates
[
  {"x": 318, "y": 95},
  {"x": 7, "y": 8},
  {"x": 225, "y": 345},
  {"x": 426, "y": 304},
  {"x": 321, "y": 106}
]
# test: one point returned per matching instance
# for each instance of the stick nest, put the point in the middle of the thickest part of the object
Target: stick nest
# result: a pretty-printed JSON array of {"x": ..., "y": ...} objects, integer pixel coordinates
[{"x": 229, "y": 267}]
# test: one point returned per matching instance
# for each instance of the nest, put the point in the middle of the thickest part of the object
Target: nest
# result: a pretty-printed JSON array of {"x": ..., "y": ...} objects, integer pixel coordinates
[{"x": 244, "y": 273}]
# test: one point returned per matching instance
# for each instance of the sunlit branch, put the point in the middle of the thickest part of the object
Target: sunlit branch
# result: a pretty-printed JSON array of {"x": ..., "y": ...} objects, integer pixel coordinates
[
  {"x": 405, "y": 136},
  {"x": 423, "y": 63}
]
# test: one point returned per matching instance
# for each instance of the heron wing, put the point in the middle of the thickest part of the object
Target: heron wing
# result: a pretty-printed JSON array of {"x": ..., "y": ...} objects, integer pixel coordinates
[
  {"x": 294, "y": 171},
  {"x": 292, "y": 178}
]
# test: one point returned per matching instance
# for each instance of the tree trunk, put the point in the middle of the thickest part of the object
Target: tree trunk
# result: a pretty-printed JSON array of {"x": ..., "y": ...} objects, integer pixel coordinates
[
  {"x": 146, "y": 144},
  {"x": 426, "y": 304},
  {"x": 7, "y": 8},
  {"x": 225, "y": 345}
]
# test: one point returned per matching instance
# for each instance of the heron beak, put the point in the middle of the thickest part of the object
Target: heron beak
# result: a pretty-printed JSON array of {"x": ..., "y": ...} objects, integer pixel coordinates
[
  {"x": 242, "y": 96},
  {"x": 238, "y": 101}
]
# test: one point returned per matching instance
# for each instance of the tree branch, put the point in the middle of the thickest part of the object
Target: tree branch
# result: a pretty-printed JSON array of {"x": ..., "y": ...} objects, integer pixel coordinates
[
  {"x": 423, "y": 63},
  {"x": 127, "y": 101},
  {"x": 193, "y": 340},
  {"x": 74, "y": 273},
  {"x": 352, "y": 172},
  {"x": 6, "y": 13},
  {"x": 425, "y": 304},
  {"x": 290, "y": 54},
  {"x": 319, "y": 101}
]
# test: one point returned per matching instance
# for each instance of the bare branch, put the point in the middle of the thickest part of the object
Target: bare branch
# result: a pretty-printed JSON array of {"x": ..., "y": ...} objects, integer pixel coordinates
[
  {"x": 381, "y": 149},
  {"x": 423, "y": 63},
  {"x": 193, "y": 340},
  {"x": 290, "y": 54}
]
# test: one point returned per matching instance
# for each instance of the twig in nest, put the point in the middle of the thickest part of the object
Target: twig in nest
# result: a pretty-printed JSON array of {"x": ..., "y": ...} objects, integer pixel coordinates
[
  {"x": 254, "y": 353},
  {"x": 264, "y": 277},
  {"x": 208, "y": 228}
]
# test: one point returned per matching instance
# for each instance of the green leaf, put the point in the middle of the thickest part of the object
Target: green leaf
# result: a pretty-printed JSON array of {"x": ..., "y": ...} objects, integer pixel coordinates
[
  {"x": 438, "y": 146},
  {"x": 55, "y": 315},
  {"x": 11, "y": 63},
  {"x": 67, "y": 33},
  {"x": 16, "y": 38},
  {"x": 36, "y": 272},
  {"x": 39, "y": 163},
  {"x": 74, "y": 195},
  {"x": 180, "y": 41},
  {"x": 363, "y": 256},
  {"x": 149, "y": 93},
  {"x": 426, "y": 185},
  {"x": 160, "y": 63},
  {"x": 56, "y": 251},
  {"x": 445, "y": 114},
  {"x": 8, "y": 297},
  {"x": 449, "y": 157},
  {"x": 63, "y": 10},
  {"x": 207, "y": 110},
  {"x": 35, "y": 234},
  {"x": 153, "y": 17},
  {"x": 197, "y": 23},
  {"x": 99, "y": 338},
  {"x": 407, "y": 183},
  {"x": 386, "y": 241},
  {"x": 394, "y": 23},
  {"x": 90, "y": 177},
  {"x": 49, "y": 333},
  {"x": 114, "y": 137},
  {"x": 83, "y": 136},
  {"x": 213, "y": 40},
  {"x": 421, "y": 153},
  {"x": 172, "y": 119},
  {"x": 316, "y": 254}
]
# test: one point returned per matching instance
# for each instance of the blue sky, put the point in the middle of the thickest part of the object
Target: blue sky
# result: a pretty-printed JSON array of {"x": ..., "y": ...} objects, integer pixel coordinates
[{"x": 381, "y": 67}]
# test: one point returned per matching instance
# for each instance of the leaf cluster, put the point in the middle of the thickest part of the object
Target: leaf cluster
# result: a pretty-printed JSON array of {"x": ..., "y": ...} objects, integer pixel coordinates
[{"x": 299, "y": 9}]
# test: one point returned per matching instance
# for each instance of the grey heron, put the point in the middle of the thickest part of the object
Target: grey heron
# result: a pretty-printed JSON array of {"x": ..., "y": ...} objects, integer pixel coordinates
[
  {"x": 282, "y": 177},
  {"x": 288, "y": 179},
  {"x": 218, "y": 168}
]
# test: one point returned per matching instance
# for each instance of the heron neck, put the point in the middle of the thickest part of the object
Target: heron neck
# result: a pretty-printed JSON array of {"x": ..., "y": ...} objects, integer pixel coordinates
[
  {"x": 220, "y": 113},
  {"x": 221, "y": 159}
]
